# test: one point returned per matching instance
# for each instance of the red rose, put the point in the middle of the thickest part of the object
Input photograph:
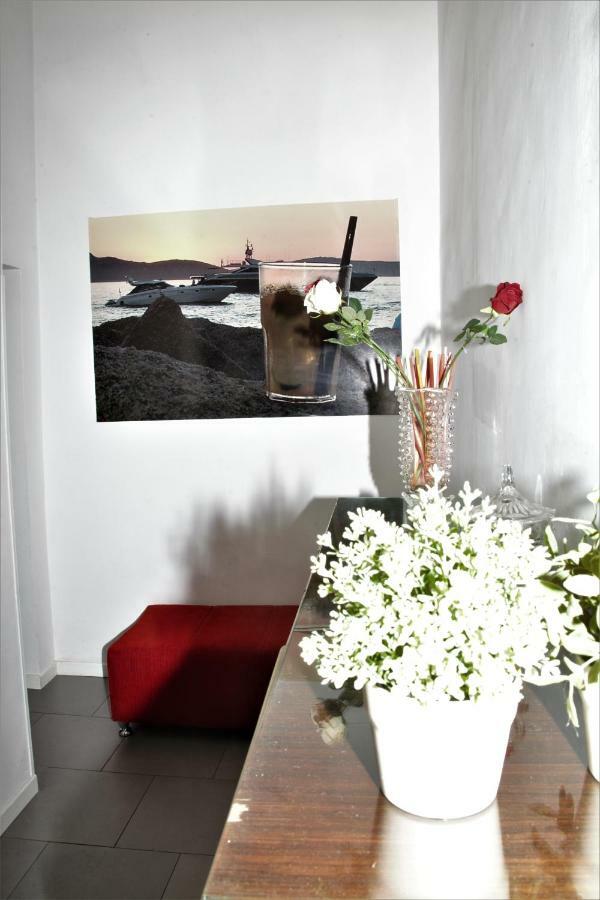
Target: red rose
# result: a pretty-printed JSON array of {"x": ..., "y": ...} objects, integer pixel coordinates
[{"x": 507, "y": 298}]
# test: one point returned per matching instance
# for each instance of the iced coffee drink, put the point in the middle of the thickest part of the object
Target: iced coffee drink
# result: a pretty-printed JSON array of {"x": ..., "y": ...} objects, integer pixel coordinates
[{"x": 300, "y": 366}]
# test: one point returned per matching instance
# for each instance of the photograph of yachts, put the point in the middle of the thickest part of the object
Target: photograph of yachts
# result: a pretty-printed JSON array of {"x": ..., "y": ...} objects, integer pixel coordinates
[{"x": 177, "y": 325}]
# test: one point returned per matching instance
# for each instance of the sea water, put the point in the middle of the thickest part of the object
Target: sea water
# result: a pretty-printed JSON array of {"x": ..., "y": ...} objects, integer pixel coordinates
[{"x": 243, "y": 310}]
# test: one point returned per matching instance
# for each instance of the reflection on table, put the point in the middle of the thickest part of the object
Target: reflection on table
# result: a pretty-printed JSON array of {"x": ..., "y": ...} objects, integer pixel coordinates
[{"x": 309, "y": 819}]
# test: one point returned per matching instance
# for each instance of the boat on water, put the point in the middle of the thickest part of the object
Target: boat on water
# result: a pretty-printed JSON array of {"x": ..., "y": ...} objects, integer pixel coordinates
[
  {"x": 144, "y": 293},
  {"x": 244, "y": 275}
]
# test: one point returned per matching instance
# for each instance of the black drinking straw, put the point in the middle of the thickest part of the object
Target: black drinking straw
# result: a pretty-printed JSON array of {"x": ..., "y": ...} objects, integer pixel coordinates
[
  {"x": 347, "y": 253},
  {"x": 329, "y": 353}
]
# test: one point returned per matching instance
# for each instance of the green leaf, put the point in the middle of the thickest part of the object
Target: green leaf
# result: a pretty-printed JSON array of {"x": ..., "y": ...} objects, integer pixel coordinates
[
  {"x": 475, "y": 329},
  {"x": 591, "y": 562},
  {"x": 332, "y": 326},
  {"x": 368, "y": 314},
  {"x": 471, "y": 324},
  {"x": 594, "y": 672},
  {"x": 550, "y": 583},
  {"x": 348, "y": 313},
  {"x": 332, "y": 341},
  {"x": 355, "y": 304},
  {"x": 551, "y": 540},
  {"x": 493, "y": 329},
  {"x": 497, "y": 338},
  {"x": 459, "y": 337}
]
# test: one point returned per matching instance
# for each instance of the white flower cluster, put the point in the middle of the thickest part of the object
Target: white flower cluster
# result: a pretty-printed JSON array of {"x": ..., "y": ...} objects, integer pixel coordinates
[{"x": 446, "y": 606}]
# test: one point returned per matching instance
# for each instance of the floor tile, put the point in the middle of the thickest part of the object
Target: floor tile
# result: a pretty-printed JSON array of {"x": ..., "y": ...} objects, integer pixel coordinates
[
  {"x": 34, "y": 717},
  {"x": 79, "y": 807},
  {"x": 189, "y": 877},
  {"x": 74, "y": 742},
  {"x": 103, "y": 711},
  {"x": 185, "y": 815},
  {"x": 187, "y": 752},
  {"x": 71, "y": 695},
  {"x": 16, "y": 856},
  {"x": 232, "y": 763},
  {"x": 72, "y": 872}
]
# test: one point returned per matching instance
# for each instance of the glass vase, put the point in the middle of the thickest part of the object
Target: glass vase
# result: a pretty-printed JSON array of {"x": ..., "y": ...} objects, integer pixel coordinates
[
  {"x": 426, "y": 434},
  {"x": 300, "y": 365}
]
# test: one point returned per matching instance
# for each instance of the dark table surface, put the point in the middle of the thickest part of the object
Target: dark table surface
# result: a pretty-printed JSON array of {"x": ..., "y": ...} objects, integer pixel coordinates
[{"x": 308, "y": 818}]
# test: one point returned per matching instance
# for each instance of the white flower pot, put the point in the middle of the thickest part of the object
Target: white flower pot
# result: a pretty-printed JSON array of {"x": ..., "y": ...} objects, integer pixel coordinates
[
  {"x": 590, "y": 701},
  {"x": 443, "y": 760}
]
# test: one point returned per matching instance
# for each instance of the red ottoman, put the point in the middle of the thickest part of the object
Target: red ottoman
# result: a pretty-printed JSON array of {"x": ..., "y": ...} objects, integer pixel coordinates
[{"x": 196, "y": 665}]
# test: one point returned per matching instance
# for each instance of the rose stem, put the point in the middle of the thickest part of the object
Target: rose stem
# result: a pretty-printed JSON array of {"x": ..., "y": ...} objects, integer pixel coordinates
[
  {"x": 401, "y": 365},
  {"x": 452, "y": 361}
]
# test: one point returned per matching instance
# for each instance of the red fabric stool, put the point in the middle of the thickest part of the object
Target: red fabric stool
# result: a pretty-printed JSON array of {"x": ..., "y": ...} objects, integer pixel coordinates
[{"x": 196, "y": 665}]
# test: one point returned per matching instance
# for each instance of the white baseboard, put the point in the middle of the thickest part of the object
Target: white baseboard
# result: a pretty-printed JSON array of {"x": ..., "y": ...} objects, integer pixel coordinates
[
  {"x": 79, "y": 667},
  {"x": 10, "y": 813},
  {"x": 37, "y": 682}
]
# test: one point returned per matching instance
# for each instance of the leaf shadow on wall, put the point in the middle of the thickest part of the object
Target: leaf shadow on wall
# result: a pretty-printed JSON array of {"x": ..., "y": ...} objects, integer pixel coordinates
[
  {"x": 566, "y": 496},
  {"x": 466, "y": 307},
  {"x": 383, "y": 432},
  {"x": 480, "y": 419},
  {"x": 260, "y": 556}
]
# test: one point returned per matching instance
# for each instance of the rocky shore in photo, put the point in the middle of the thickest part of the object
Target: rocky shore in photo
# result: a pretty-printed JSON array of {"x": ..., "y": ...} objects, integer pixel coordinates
[{"x": 162, "y": 365}]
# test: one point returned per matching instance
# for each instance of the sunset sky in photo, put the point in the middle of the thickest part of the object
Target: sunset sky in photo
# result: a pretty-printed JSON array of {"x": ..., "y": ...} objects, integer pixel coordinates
[{"x": 277, "y": 232}]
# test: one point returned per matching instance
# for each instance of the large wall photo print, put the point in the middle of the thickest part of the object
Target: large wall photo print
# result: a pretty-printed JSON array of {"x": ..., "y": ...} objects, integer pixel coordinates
[{"x": 188, "y": 325}]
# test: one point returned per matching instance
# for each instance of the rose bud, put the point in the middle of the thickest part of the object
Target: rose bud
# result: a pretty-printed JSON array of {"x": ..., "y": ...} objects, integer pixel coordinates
[
  {"x": 323, "y": 298},
  {"x": 507, "y": 298}
]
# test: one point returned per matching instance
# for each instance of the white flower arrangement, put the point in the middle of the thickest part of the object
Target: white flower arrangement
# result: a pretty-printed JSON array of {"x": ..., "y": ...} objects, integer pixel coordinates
[
  {"x": 575, "y": 574},
  {"x": 448, "y": 606}
]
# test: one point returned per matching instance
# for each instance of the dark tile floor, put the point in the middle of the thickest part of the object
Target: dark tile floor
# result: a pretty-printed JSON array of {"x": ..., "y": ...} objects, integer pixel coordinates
[{"x": 116, "y": 819}]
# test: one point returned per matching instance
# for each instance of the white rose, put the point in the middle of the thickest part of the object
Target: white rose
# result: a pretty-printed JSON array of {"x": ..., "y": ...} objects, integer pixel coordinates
[
  {"x": 583, "y": 585},
  {"x": 323, "y": 298}
]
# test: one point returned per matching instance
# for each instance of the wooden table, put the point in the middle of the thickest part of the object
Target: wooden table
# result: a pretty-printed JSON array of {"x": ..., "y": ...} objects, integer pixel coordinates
[{"x": 308, "y": 818}]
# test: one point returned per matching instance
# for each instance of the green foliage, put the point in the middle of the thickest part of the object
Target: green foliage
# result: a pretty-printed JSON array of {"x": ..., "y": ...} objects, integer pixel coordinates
[
  {"x": 351, "y": 326},
  {"x": 351, "y": 323},
  {"x": 594, "y": 672},
  {"x": 582, "y": 644},
  {"x": 484, "y": 332}
]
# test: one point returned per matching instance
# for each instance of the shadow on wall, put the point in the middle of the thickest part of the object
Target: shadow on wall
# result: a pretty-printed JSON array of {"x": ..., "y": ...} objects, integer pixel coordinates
[
  {"x": 488, "y": 434},
  {"x": 466, "y": 307},
  {"x": 262, "y": 557},
  {"x": 383, "y": 432},
  {"x": 480, "y": 424},
  {"x": 564, "y": 494}
]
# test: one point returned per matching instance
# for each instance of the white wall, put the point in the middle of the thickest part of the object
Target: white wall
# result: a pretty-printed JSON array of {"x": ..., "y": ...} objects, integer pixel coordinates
[
  {"x": 19, "y": 249},
  {"x": 143, "y": 107},
  {"x": 519, "y": 202},
  {"x": 17, "y": 780}
]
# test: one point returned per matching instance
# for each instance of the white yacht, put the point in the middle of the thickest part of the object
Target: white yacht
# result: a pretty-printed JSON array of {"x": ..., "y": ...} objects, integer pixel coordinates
[{"x": 144, "y": 293}]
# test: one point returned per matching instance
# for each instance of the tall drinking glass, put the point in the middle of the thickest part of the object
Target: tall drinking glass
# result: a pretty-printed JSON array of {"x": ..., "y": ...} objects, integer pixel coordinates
[{"x": 300, "y": 367}]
